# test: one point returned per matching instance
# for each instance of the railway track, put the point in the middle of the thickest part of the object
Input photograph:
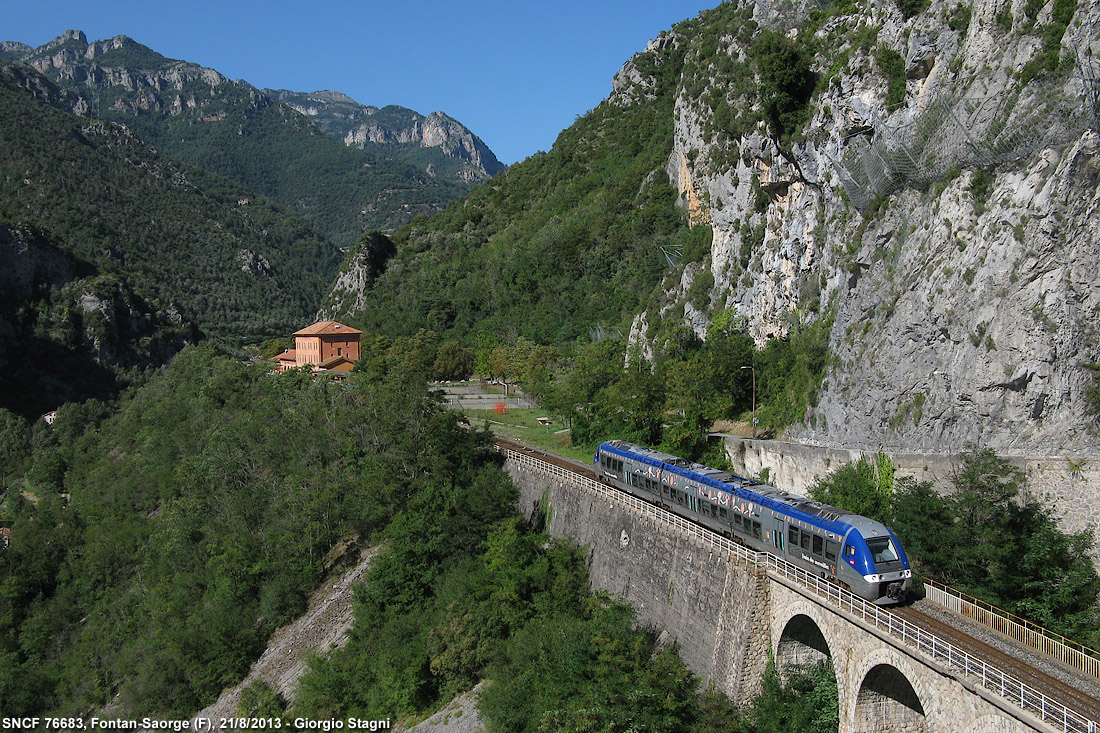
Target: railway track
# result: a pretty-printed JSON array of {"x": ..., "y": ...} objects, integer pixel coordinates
[
  {"x": 1057, "y": 690},
  {"x": 1073, "y": 698}
]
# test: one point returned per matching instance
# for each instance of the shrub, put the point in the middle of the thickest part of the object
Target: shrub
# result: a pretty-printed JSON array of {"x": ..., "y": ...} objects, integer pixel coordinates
[
  {"x": 892, "y": 66},
  {"x": 786, "y": 81}
]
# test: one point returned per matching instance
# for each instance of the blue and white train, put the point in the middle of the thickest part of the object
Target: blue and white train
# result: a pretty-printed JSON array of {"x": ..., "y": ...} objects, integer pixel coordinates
[{"x": 855, "y": 551}]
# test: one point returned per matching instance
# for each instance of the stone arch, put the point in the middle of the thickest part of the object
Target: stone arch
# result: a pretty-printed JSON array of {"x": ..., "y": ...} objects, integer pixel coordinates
[
  {"x": 887, "y": 701},
  {"x": 801, "y": 644}
]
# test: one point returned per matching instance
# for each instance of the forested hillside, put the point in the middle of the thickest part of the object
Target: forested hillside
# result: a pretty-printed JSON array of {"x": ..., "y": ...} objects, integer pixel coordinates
[
  {"x": 562, "y": 243},
  {"x": 187, "y": 241},
  {"x": 154, "y": 549},
  {"x": 155, "y": 546},
  {"x": 562, "y": 251},
  {"x": 69, "y": 332}
]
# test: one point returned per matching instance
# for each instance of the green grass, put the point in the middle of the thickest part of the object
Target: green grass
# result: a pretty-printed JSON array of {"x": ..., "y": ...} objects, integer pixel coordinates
[{"x": 522, "y": 425}]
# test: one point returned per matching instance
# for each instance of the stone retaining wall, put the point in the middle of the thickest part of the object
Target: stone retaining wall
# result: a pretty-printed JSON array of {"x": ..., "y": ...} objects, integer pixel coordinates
[
  {"x": 1071, "y": 486},
  {"x": 714, "y": 609}
]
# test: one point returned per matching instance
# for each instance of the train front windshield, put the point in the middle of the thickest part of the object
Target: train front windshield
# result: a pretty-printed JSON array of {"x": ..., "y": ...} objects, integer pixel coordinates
[{"x": 882, "y": 550}]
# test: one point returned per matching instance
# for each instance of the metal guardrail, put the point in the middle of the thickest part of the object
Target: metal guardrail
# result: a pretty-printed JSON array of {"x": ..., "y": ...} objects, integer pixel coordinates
[
  {"x": 1067, "y": 651},
  {"x": 991, "y": 678}
]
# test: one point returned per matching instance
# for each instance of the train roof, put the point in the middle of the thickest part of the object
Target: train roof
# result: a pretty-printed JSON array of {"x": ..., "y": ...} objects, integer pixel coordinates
[{"x": 830, "y": 517}]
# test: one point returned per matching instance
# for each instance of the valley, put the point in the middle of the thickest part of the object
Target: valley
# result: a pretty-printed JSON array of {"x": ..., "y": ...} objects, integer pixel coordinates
[{"x": 864, "y": 233}]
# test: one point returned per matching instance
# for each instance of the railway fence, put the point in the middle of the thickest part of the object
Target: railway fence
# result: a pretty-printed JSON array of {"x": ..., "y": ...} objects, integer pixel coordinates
[
  {"x": 1053, "y": 713},
  {"x": 1069, "y": 652}
]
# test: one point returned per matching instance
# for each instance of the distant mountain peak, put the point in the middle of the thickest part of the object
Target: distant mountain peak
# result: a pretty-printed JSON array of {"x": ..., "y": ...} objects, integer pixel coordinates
[
  {"x": 329, "y": 95},
  {"x": 67, "y": 36}
]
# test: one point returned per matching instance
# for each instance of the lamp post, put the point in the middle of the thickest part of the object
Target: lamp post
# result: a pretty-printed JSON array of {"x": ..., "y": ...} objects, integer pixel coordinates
[{"x": 753, "y": 398}]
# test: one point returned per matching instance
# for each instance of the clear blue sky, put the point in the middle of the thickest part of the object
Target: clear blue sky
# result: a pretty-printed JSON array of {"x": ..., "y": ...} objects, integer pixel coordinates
[{"x": 514, "y": 72}]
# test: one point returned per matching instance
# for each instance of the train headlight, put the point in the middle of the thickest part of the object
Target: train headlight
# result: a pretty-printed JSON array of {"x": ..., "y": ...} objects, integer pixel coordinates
[{"x": 907, "y": 574}]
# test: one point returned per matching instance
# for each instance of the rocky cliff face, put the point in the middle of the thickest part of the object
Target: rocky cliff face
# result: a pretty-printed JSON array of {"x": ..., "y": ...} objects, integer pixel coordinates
[
  {"x": 437, "y": 130},
  {"x": 143, "y": 79},
  {"x": 938, "y": 204},
  {"x": 357, "y": 125}
]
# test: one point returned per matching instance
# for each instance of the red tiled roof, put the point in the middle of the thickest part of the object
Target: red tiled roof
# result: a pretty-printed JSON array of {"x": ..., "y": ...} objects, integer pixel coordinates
[
  {"x": 288, "y": 355},
  {"x": 326, "y": 327}
]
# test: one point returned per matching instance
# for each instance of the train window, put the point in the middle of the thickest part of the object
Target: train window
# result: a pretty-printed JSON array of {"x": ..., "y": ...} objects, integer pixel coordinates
[
  {"x": 793, "y": 539},
  {"x": 882, "y": 549},
  {"x": 806, "y": 540},
  {"x": 737, "y": 518},
  {"x": 722, "y": 513},
  {"x": 756, "y": 530},
  {"x": 830, "y": 550},
  {"x": 819, "y": 544}
]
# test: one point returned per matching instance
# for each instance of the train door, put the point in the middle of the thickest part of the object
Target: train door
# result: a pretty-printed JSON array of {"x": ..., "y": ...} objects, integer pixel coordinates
[
  {"x": 792, "y": 539},
  {"x": 778, "y": 534}
]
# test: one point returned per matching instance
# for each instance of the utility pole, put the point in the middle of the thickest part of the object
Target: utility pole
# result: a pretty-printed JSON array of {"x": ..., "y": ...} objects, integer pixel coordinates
[{"x": 753, "y": 398}]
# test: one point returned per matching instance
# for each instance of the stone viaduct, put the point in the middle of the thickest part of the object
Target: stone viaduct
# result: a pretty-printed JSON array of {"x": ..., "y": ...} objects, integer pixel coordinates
[{"x": 726, "y": 614}]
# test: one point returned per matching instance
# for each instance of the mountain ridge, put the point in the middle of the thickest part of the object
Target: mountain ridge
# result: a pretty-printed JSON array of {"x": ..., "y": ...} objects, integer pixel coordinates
[{"x": 232, "y": 128}]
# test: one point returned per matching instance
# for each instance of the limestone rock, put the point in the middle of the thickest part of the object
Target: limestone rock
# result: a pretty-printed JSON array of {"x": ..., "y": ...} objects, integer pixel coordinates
[
  {"x": 964, "y": 303},
  {"x": 358, "y": 125}
]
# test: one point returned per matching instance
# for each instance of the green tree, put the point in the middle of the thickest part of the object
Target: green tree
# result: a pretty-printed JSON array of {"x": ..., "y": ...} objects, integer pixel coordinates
[
  {"x": 260, "y": 700},
  {"x": 984, "y": 502},
  {"x": 864, "y": 487},
  {"x": 992, "y": 539},
  {"x": 806, "y": 700},
  {"x": 923, "y": 521},
  {"x": 15, "y": 444},
  {"x": 786, "y": 81},
  {"x": 454, "y": 362}
]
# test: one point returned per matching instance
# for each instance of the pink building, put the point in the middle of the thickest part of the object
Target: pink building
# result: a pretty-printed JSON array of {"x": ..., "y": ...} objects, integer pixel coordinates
[{"x": 326, "y": 345}]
